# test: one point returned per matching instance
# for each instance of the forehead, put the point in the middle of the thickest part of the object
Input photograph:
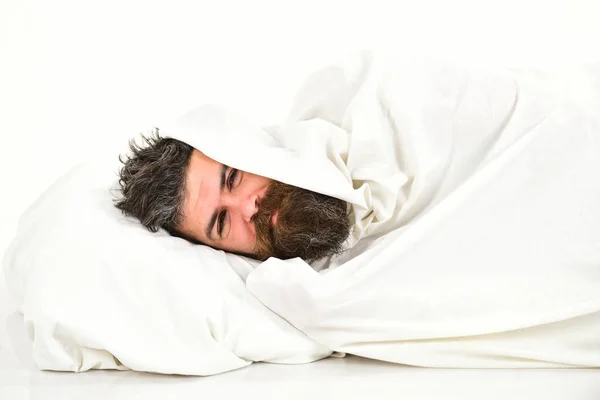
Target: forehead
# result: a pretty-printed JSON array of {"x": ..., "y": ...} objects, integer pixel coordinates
[
  {"x": 201, "y": 184},
  {"x": 194, "y": 173},
  {"x": 200, "y": 167}
]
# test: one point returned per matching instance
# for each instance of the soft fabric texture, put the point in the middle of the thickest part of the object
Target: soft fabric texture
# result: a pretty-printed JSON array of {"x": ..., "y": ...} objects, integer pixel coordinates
[
  {"x": 480, "y": 241},
  {"x": 476, "y": 242},
  {"x": 99, "y": 291}
]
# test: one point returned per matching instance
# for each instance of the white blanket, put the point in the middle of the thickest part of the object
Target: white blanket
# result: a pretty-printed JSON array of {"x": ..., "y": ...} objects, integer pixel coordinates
[
  {"x": 476, "y": 242},
  {"x": 478, "y": 218}
]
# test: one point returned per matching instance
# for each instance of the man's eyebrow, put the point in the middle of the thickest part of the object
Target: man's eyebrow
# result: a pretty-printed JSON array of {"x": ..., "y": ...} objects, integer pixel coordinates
[
  {"x": 223, "y": 173},
  {"x": 213, "y": 218}
]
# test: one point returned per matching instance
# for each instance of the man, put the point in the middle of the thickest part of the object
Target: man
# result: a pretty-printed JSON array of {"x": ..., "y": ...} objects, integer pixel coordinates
[{"x": 166, "y": 183}]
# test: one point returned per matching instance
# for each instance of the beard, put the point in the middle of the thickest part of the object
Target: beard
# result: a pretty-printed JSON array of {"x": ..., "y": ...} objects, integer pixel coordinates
[{"x": 309, "y": 225}]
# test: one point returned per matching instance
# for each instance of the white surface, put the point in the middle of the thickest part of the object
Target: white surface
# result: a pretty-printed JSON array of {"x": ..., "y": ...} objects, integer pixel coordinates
[
  {"x": 76, "y": 78},
  {"x": 349, "y": 378}
]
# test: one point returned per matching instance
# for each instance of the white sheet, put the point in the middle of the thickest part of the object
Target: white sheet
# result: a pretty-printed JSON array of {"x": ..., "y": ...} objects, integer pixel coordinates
[{"x": 481, "y": 237}]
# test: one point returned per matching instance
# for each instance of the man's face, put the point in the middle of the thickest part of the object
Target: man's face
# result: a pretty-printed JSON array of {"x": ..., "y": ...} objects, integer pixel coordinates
[
  {"x": 243, "y": 213},
  {"x": 220, "y": 204}
]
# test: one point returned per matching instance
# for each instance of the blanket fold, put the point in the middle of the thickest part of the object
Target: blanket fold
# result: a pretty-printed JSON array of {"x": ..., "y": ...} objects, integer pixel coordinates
[{"x": 479, "y": 245}]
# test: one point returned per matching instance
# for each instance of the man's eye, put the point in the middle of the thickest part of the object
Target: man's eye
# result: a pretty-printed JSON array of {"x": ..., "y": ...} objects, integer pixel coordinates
[
  {"x": 232, "y": 177},
  {"x": 221, "y": 223}
]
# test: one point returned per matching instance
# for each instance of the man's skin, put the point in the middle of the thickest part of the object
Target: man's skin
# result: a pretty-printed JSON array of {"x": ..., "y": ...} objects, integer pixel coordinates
[{"x": 219, "y": 205}]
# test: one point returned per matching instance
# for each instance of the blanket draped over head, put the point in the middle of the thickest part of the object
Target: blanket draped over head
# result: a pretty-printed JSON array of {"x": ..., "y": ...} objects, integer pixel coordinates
[{"x": 475, "y": 199}]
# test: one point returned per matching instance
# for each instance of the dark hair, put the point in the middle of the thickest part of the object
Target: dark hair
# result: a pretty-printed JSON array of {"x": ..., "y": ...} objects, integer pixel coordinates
[{"x": 152, "y": 181}]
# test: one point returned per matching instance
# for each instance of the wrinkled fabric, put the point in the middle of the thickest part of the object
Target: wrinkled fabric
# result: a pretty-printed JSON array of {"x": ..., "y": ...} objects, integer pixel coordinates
[{"x": 477, "y": 243}]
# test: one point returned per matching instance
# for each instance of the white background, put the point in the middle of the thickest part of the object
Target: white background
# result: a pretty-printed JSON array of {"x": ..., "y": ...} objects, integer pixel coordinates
[{"x": 81, "y": 77}]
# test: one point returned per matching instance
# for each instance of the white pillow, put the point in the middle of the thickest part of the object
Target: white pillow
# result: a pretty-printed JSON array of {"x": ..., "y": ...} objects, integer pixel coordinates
[{"x": 98, "y": 291}]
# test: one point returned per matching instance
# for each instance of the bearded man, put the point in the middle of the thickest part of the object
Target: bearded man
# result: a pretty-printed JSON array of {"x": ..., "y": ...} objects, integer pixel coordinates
[{"x": 166, "y": 183}]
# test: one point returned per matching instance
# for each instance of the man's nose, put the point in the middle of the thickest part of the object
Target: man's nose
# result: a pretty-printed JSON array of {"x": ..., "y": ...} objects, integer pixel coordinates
[{"x": 246, "y": 205}]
